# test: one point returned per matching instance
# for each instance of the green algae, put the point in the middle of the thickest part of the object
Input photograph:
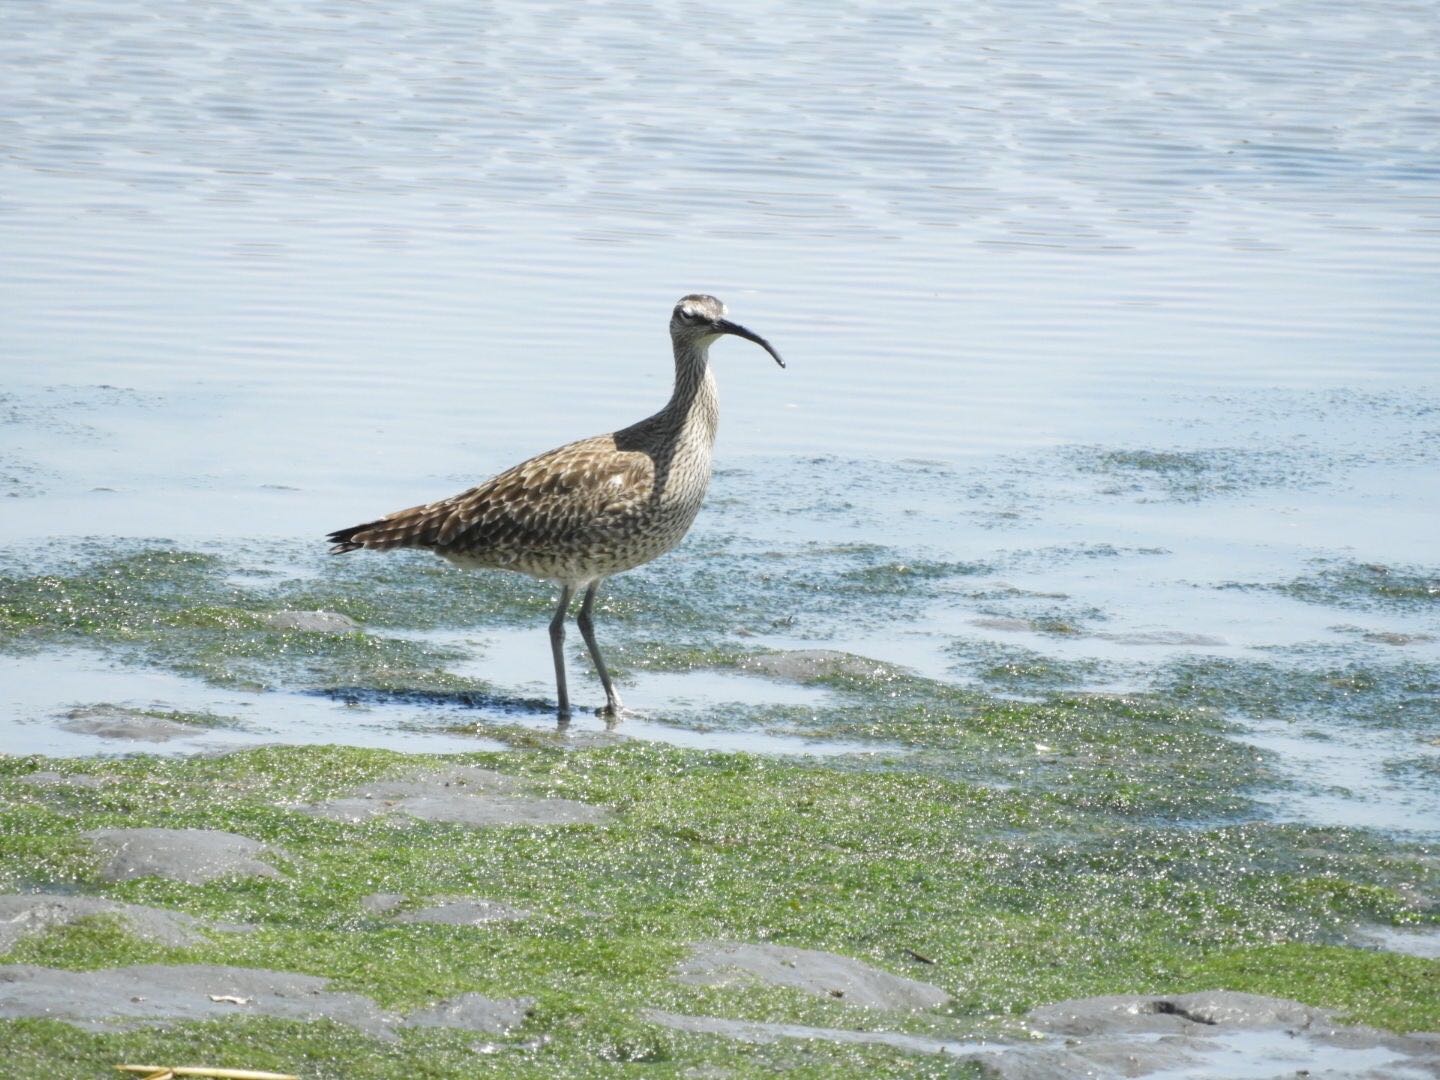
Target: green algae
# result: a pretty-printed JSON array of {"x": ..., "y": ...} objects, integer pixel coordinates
[
  {"x": 177, "y": 610},
  {"x": 1029, "y": 850},
  {"x": 1015, "y": 897},
  {"x": 1137, "y": 754},
  {"x": 1166, "y": 755},
  {"x": 1425, "y": 767},
  {"x": 1190, "y": 475},
  {"x": 1395, "y": 992},
  {"x": 654, "y": 655},
  {"x": 1367, "y": 586},
  {"x": 1162, "y": 755},
  {"x": 1016, "y": 669},
  {"x": 188, "y": 717},
  {"x": 739, "y": 586},
  {"x": 1131, "y": 754},
  {"x": 1389, "y": 693},
  {"x": 203, "y": 616},
  {"x": 604, "y": 1046}
]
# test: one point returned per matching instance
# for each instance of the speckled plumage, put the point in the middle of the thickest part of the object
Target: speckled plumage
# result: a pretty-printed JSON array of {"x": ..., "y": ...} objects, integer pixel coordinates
[
  {"x": 589, "y": 509},
  {"x": 586, "y": 510}
]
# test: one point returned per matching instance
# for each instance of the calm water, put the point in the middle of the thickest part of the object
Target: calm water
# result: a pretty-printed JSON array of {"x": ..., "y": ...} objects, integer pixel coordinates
[{"x": 269, "y": 268}]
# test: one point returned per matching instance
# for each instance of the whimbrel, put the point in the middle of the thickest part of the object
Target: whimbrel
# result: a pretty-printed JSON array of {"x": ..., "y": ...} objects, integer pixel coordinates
[{"x": 590, "y": 509}]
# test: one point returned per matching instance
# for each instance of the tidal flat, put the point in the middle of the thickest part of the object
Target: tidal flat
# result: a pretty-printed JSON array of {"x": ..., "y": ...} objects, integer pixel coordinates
[
  {"x": 1049, "y": 687},
  {"x": 1007, "y": 840}
]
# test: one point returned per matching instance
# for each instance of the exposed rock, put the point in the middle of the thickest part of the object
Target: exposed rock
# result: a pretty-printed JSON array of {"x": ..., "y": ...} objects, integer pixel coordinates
[
  {"x": 463, "y": 795},
  {"x": 1133, "y": 1013},
  {"x": 194, "y": 856},
  {"x": 1182, "y": 1037},
  {"x": 463, "y": 912},
  {"x": 118, "y": 722},
  {"x": 158, "y": 994},
  {"x": 313, "y": 622},
  {"x": 151, "y": 994},
  {"x": 475, "y": 1012},
  {"x": 1212, "y": 1033},
  {"x": 381, "y": 902},
  {"x": 807, "y": 665},
  {"x": 824, "y": 974},
  {"x": 32, "y": 913}
]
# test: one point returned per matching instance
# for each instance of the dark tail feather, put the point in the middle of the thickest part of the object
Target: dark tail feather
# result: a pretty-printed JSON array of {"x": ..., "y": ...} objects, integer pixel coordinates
[
  {"x": 417, "y": 527},
  {"x": 344, "y": 539}
]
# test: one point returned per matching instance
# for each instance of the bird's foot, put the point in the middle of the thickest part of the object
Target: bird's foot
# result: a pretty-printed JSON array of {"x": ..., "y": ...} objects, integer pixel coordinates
[{"x": 611, "y": 712}]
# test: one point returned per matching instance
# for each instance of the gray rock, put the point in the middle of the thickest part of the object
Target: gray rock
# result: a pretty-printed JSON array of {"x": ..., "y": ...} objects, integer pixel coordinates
[
  {"x": 463, "y": 912},
  {"x": 462, "y": 795},
  {"x": 194, "y": 856},
  {"x": 154, "y": 994},
  {"x": 313, "y": 622},
  {"x": 157, "y": 994},
  {"x": 474, "y": 1012},
  {"x": 1274, "y": 1054},
  {"x": 824, "y": 974},
  {"x": 32, "y": 913},
  {"x": 1213, "y": 1033},
  {"x": 1180, "y": 1013},
  {"x": 1182, "y": 1037},
  {"x": 807, "y": 665},
  {"x": 381, "y": 902},
  {"x": 118, "y": 722}
]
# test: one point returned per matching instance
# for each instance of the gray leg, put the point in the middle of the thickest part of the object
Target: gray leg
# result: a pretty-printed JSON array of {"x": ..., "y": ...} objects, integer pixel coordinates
[
  {"x": 557, "y": 646},
  {"x": 587, "y": 631}
]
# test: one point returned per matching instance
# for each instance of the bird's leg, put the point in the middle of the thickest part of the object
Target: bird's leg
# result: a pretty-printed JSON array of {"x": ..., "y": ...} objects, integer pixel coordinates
[
  {"x": 557, "y": 647},
  {"x": 587, "y": 631}
]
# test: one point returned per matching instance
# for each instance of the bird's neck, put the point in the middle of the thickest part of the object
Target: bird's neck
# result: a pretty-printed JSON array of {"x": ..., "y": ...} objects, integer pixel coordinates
[{"x": 694, "y": 407}]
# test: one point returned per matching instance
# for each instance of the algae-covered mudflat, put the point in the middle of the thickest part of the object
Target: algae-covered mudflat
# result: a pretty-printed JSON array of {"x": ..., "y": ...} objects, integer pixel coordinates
[
  {"x": 1000, "y": 900},
  {"x": 852, "y": 866},
  {"x": 1051, "y": 764}
]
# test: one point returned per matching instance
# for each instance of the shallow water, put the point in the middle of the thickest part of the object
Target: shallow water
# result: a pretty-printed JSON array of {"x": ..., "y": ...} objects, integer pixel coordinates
[
  {"x": 1132, "y": 307},
  {"x": 37, "y": 686},
  {"x": 1261, "y": 1055}
]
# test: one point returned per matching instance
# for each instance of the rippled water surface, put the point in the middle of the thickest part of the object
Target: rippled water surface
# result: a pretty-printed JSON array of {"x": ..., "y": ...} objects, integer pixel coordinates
[{"x": 1155, "y": 282}]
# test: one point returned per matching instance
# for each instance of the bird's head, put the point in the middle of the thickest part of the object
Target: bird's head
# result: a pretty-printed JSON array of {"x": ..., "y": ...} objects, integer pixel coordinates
[{"x": 699, "y": 319}]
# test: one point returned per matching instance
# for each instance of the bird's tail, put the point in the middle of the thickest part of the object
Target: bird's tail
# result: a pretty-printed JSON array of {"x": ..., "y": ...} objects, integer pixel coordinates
[
  {"x": 376, "y": 535},
  {"x": 353, "y": 538},
  {"x": 418, "y": 526}
]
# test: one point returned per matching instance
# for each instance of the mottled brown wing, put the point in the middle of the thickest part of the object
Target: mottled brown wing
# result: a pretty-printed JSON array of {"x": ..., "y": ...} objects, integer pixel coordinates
[{"x": 556, "y": 498}]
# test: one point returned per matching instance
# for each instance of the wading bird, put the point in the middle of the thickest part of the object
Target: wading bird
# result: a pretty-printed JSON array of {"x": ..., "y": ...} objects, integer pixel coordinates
[{"x": 589, "y": 509}]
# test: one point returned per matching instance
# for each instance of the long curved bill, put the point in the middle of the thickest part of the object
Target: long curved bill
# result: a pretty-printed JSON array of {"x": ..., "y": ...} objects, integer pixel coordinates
[{"x": 725, "y": 326}]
